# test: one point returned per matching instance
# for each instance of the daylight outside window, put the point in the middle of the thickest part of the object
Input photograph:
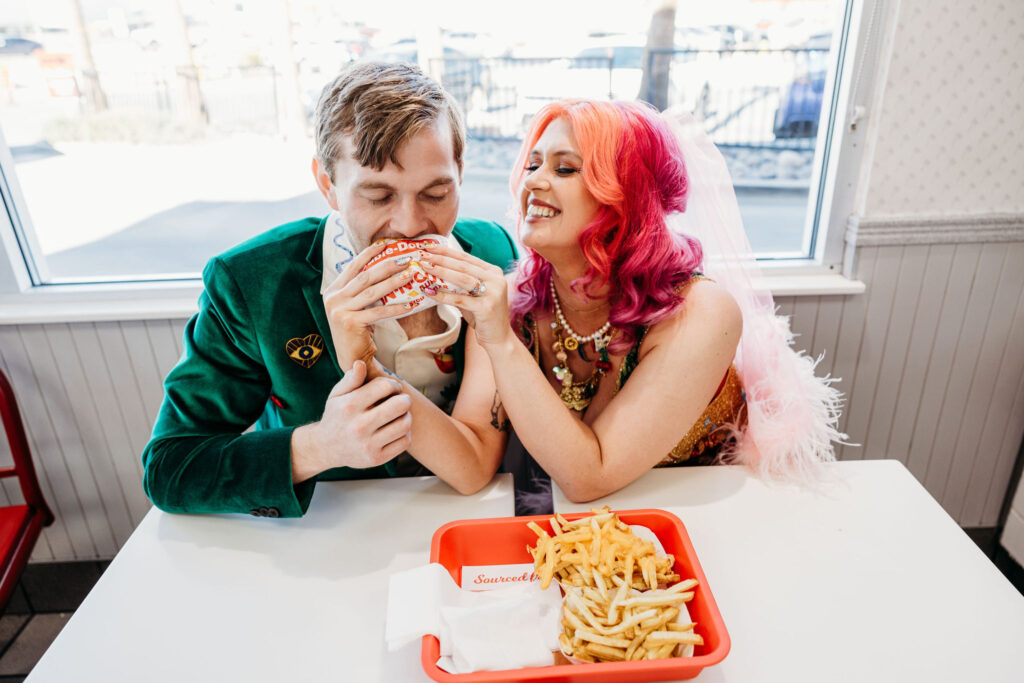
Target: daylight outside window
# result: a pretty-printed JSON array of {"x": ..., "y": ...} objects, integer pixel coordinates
[{"x": 148, "y": 136}]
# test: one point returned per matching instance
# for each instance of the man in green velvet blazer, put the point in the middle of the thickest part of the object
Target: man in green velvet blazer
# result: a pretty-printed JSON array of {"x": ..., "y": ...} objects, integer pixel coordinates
[{"x": 288, "y": 345}]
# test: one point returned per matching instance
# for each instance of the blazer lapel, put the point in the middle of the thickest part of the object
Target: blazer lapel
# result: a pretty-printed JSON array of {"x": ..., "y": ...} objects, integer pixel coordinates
[
  {"x": 466, "y": 245},
  {"x": 311, "y": 291}
]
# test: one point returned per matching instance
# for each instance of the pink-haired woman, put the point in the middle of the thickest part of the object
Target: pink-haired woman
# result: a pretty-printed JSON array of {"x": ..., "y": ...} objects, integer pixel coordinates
[{"x": 619, "y": 355}]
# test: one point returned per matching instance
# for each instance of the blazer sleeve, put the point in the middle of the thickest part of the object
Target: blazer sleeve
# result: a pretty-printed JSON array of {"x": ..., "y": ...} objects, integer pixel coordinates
[{"x": 199, "y": 460}]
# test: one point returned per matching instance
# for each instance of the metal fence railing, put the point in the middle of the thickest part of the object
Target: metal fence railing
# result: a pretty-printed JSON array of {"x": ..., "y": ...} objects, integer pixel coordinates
[
  {"x": 767, "y": 99},
  {"x": 242, "y": 99},
  {"x": 747, "y": 98},
  {"x": 500, "y": 95}
]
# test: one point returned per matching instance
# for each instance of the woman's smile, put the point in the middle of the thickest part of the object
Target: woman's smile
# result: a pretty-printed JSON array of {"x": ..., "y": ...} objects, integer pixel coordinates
[{"x": 537, "y": 210}]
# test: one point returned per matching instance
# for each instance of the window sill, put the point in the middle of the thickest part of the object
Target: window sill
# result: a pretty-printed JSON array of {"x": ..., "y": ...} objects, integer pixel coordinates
[
  {"x": 178, "y": 300},
  {"x": 101, "y": 302},
  {"x": 811, "y": 284}
]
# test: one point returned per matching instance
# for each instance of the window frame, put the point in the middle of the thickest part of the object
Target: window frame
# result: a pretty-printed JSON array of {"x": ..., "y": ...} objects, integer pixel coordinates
[{"x": 846, "y": 137}]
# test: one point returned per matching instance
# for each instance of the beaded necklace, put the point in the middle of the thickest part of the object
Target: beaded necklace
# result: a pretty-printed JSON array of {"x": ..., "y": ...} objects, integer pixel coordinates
[
  {"x": 577, "y": 395},
  {"x": 576, "y": 340}
]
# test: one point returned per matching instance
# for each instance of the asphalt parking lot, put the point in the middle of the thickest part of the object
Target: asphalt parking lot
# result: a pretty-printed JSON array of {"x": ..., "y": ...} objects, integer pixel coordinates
[{"x": 180, "y": 239}]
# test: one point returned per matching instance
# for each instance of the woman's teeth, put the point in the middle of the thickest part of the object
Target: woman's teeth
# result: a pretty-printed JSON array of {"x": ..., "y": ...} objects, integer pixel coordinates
[{"x": 540, "y": 211}]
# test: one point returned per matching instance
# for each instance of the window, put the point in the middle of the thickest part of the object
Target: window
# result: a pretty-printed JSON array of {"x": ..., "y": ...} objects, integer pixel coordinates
[{"x": 143, "y": 138}]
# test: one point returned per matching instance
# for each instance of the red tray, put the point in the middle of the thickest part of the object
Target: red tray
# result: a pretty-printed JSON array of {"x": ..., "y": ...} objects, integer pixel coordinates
[{"x": 504, "y": 540}]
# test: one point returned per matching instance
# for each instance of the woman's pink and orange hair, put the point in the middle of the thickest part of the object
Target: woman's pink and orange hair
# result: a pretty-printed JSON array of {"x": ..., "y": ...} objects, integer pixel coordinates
[{"x": 633, "y": 167}]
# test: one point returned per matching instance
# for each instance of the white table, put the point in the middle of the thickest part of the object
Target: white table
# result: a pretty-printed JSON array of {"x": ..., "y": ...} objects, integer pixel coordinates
[
  {"x": 868, "y": 580},
  {"x": 235, "y": 598}
]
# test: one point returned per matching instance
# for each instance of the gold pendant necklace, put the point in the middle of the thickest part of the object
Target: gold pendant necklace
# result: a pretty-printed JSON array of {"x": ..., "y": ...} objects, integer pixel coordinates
[{"x": 577, "y": 395}]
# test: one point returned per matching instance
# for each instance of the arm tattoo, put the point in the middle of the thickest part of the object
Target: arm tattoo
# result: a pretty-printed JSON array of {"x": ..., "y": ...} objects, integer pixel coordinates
[
  {"x": 498, "y": 418},
  {"x": 390, "y": 372}
]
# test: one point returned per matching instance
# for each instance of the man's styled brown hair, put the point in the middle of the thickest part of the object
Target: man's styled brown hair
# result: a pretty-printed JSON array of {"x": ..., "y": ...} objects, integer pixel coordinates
[{"x": 380, "y": 106}]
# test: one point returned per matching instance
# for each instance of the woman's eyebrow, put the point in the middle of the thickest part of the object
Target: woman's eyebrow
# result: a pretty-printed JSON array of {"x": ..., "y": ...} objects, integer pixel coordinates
[
  {"x": 566, "y": 153},
  {"x": 558, "y": 153}
]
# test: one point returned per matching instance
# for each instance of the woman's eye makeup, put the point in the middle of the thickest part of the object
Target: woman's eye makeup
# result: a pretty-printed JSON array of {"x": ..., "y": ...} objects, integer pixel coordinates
[{"x": 561, "y": 170}]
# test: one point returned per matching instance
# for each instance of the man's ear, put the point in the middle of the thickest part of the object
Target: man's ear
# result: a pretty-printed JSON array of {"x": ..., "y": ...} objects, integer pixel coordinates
[{"x": 324, "y": 184}]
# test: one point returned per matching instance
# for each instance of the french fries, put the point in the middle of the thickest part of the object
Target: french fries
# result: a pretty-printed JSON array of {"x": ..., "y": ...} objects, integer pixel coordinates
[
  {"x": 592, "y": 551},
  {"x": 599, "y": 562}
]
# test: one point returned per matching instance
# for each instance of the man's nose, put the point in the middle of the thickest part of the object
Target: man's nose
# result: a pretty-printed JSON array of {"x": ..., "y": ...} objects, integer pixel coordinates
[{"x": 409, "y": 219}]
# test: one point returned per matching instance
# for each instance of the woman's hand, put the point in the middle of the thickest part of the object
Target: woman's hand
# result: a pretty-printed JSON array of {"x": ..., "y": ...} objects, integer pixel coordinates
[
  {"x": 485, "y": 307},
  {"x": 346, "y": 299}
]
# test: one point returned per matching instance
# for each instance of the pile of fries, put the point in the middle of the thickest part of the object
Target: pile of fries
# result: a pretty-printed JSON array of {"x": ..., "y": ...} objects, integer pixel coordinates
[{"x": 613, "y": 609}]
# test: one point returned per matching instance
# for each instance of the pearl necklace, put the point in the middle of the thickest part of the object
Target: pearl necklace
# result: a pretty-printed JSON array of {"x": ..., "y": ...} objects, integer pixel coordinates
[{"x": 600, "y": 337}]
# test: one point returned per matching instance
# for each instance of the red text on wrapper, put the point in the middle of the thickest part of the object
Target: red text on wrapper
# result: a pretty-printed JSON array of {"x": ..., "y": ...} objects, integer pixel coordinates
[
  {"x": 419, "y": 279},
  {"x": 497, "y": 575},
  {"x": 400, "y": 247},
  {"x": 525, "y": 577}
]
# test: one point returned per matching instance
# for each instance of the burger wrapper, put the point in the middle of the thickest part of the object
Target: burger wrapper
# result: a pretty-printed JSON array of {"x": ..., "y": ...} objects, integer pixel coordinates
[{"x": 411, "y": 252}]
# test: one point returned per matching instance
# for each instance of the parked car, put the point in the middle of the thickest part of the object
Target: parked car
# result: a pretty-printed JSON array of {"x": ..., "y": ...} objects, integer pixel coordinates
[
  {"x": 800, "y": 100},
  {"x": 18, "y": 46},
  {"x": 613, "y": 68},
  {"x": 461, "y": 75}
]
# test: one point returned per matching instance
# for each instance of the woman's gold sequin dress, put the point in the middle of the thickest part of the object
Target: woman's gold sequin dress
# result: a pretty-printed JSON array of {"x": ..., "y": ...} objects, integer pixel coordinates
[{"x": 703, "y": 441}]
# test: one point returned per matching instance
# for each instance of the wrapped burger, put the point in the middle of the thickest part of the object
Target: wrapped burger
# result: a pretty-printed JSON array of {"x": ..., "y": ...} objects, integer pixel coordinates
[{"x": 410, "y": 252}]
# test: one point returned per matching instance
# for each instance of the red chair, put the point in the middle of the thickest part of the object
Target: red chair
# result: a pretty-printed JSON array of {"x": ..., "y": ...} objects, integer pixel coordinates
[{"x": 20, "y": 525}]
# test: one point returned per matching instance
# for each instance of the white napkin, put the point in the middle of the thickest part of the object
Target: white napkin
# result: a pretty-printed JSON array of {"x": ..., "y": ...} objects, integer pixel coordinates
[{"x": 503, "y": 628}]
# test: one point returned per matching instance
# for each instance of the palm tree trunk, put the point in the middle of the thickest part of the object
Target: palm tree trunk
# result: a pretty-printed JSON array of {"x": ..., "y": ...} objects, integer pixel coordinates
[
  {"x": 294, "y": 124},
  {"x": 89, "y": 80},
  {"x": 660, "y": 36},
  {"x": 188, "y": 74}
]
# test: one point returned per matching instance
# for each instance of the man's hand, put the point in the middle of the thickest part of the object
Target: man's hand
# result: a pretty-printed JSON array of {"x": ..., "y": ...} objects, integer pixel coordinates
[
  {"x": 346, "y": 299},
  {"x": 364, "y": 424}
]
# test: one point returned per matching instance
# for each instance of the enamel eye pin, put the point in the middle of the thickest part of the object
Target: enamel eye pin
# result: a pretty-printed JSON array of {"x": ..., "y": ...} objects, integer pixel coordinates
[{"x": 305, "y": 350}]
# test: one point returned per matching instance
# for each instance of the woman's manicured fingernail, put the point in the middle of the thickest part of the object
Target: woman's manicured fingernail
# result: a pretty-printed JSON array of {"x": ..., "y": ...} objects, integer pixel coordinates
[{"x": 429, "y": 290}]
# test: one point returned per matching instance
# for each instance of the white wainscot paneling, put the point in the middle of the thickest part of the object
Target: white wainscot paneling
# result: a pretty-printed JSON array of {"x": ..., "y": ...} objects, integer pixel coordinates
[
  {"x": 88, "y": 394},
  {"x": 931, "y": 361}
]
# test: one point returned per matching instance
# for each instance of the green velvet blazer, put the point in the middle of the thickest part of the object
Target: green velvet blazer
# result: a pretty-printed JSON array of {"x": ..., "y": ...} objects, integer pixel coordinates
[{"x": 241, "y": 367}]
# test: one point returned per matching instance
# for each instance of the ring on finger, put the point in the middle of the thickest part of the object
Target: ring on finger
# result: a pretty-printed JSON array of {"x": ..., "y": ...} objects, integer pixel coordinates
[{"x": 479, "y": 289}]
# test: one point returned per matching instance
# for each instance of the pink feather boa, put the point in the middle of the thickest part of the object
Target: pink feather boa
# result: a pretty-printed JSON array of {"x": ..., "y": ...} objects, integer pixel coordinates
[{"x": 792, "y": 415}]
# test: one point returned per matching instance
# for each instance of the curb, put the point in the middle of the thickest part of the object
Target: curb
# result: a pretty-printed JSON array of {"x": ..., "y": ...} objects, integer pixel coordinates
[
  {"x": 493, "y": 173},
  {"x": 772, "y": 185}
]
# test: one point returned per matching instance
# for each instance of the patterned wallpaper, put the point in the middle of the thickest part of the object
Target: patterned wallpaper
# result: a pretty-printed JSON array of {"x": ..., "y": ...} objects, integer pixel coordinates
[{"x": 950, "y": 139}]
